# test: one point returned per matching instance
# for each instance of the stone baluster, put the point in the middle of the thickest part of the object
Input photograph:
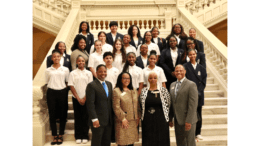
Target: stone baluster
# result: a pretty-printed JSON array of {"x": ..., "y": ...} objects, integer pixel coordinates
[
  {"x": 123, "y": 25},
  {"x": 142, "y": 26},
  {"x": 155, "y": 23},
  {"x": 94, "y": 25},
  {"x": 98, "y": 24}
]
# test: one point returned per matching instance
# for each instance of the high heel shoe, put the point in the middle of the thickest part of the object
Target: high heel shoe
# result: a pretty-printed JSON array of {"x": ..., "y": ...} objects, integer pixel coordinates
[
  {"x": 54, "y": 142},
  {"x": 60, "y": 138}
]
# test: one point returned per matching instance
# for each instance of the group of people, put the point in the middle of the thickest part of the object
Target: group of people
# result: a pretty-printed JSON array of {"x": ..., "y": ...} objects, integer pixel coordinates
[{"x": 118, "y": 79}]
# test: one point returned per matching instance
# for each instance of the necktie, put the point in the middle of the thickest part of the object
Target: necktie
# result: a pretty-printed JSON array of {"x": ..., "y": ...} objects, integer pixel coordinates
[
  {"x": 177, "y": 88},
  {"x": 105, "y": 87}
]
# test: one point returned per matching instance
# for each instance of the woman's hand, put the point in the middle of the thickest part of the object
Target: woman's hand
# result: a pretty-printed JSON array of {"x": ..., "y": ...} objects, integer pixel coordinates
[{"x": 125, "y": 124}]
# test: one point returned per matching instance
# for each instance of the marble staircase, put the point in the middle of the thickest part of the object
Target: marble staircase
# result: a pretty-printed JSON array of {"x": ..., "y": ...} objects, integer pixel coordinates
[{"x": 214, "y": 127}]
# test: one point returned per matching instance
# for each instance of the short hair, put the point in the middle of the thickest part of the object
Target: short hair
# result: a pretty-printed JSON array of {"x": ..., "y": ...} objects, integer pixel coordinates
[
  {"x": 79, "y": 57},
  {"x": 152, "y": 72},
  {"x": 119, "y": 82},
  {"x": 55, "y": 51},
  {"x": 100, "y": 65},
  {"x": 157, "y": 29},
  {"x": 179, "y": 65},
  {"x": 80, "y": 30},
  {"x": 143, "y": 45},
  {"x": 193, "y": 29},
  {"x": 108, "y": 54},
  {"x": 113, "y": 23},
  {"x": 57, "y": 46},
  {"x": 152, "y": 52},
  {"x": 190, "y": 51}
]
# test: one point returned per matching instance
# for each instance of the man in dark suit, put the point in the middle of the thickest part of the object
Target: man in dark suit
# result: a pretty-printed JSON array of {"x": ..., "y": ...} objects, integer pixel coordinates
[
  {"x": 99, "y": 106},
  {"x": 113, "y": 35},
  {"x": 139, "y": 61},
  {"x": 184, "y": 97}
]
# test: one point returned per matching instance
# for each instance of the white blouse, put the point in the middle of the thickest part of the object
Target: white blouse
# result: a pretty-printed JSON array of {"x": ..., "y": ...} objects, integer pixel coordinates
[
  {"x": 105, "y": 48},
  {"x": 160, "y": 74},
  {"x": 56, "y": 78},
  {"x": 130, "y": 48},
  {"x": 118, "y": 62},
  {"x": 95, "y": 59},
  {"x": 151, "y": 46},
  {"x": 174, "y": 55},
  {"x": 137, "y": 75},
  {"x": 112, "y": 75},
  {"x": 79, "y": 79}
]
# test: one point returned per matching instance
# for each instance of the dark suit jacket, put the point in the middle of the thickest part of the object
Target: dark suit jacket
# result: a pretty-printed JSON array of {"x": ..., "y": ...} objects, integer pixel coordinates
[
  {"x": 161, "y": 44},
  {"x": 98, "y": 104},
  {"x": 167, "y": 65},
  {"x": 199, "y": 76},
  {"x": 110, "y": 38},
  {"x": 200, "y": 44},
  {"x": 140, "y": 41},
  {"x": 66, "y": 63},
  {"x": 181, "y": 45},
  {"x": 139, "y": 62},
  {"x": 200, "y": 59}
]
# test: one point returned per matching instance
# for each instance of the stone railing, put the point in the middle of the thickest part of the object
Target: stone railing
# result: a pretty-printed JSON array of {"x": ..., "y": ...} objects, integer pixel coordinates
[
  {"x": 208, "y": 12},
  {"x": 59, "y": 6},
  {"x": 124, "y": 23},
  {"x": 215, "y": 50},
  {"x": 40, "y": 112}
]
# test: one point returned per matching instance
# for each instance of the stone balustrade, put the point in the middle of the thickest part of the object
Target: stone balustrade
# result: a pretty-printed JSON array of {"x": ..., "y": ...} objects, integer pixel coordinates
[
  {"x": 215, "y": 50},
  {"x": 59, "y": 6},
  {"x": 124, "y": 23}
]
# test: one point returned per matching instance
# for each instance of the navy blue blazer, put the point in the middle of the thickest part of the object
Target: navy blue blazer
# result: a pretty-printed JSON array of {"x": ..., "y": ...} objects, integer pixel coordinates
[
  {"x": 139, "y": 62},
  {"x": 200, "y": 59},
  {"x": 181, "y": 45},
  {"x": 198, "y": 76},
  {"x": 66, "y": 61},
  {"x": 140, "y": 41},
  {"x": 161, "y": 44},
  {"x": 200, "y": 44},
  {"x": 110, "y": 38},
  {"x": 167, "y": 65}
]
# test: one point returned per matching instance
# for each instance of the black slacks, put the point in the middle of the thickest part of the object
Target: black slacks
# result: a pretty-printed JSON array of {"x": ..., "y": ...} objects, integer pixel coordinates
[
  {"x": 199, "y": 123},
  {"x": 81, "y": 120},
  {"x": 101, "y": 136},
  {"x": 57, "y": 99}
]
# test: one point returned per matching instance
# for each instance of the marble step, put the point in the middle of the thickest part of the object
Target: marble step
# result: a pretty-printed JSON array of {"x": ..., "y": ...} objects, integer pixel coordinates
[
  {"x": 206, "y": 130},
  {"x": 215, "y": 101},
  {"x": 210, "y": 87},
  {"x": 210, "y": 80},
  {"x": 211, "y": 110},
  {"x": 213, "y": 93},
  {"x": 207, "y": 140}
]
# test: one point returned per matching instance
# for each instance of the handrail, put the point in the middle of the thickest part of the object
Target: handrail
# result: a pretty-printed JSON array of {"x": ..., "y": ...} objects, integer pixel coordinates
[{"x": 54, "y": 5}]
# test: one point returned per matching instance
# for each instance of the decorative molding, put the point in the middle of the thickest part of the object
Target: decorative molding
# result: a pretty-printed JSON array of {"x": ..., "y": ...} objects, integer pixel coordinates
[{"x": 216, "y": 19}]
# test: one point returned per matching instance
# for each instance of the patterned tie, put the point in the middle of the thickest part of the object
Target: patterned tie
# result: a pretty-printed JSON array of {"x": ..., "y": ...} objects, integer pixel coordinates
[
  {"x": 105, "y": 87},
  {"x": 177, "y": 88}
]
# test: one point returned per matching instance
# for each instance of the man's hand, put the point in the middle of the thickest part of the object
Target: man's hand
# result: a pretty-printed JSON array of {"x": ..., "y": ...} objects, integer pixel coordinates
[
  {"x": 96, "y": 124},
  {"x": 171, "y": 123},
  {"x": 187, "y": 126}
]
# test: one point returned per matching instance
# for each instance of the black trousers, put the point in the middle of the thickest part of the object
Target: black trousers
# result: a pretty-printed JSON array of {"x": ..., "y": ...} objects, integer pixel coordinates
[
  {"x": 199, "y": 123},
  {"x": 57, "y": 99},
  {"x": 101, "y": 136},
  {"x": 81, "y": 120}
]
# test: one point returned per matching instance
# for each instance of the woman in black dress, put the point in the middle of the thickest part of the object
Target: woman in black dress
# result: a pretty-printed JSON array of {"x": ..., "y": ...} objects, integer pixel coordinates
[{"x": 155, "y": 103}]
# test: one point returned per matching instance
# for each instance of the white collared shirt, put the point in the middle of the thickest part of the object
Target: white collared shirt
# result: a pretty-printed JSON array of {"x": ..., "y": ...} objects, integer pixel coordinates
[
  {"x": 117, "y": 63},
  {"x": 178, "y": 38},
  {"x": 160, "y": 74},
  {"x": 155, "y": 40},
  {"x": 112, "y": 75},
  {"x": 137, "y": 75},
  {"x": 95, "y": 59},
  {"x": 62, "y": 59},
  {"x": 56, "y": 78},
  {"x": 177, "y": 83},
  {"x": 151, "y": 46},
  {"x": 174, "y": 55},
  {"x": 130, "y": 48},
  {"x": 79, "y": 79},
  {"x": 144, "y": 60},
  {"x": 113, "y": 36},
  {"x": 194, "y": 65},
  {"x": 105, "y": 48}
]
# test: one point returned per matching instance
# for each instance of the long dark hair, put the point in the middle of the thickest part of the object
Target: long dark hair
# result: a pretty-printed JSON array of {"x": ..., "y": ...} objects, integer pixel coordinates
[
  {"x": 168, "y": 40},
  {"x": 130, "y": 31},
  {"x": 122, "y": 50},
  {"x": 182, "y": 34},
  {"x": 103, "y": 33},
  {"x": 80, "y": 30},
  {"x": 76, "y": 42},
  {"x": 126, "y": 66},
  {"x": 144, "y": 40},
  {"x": 185, "y": 53},
  {"x": 119, "y": 82},
  {"x": 57, "y": 46}
]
